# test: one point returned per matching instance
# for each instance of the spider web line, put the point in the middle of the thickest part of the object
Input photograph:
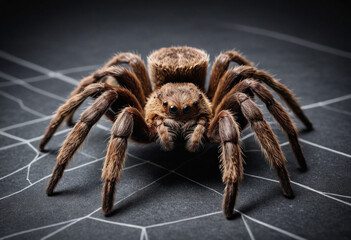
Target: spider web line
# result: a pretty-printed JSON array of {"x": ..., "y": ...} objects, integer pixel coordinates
[
  {"x": 37, "y": 68},
  {"x": 144, "y": 235},
  {"x": 183, "y": 220},
  {"x": 116, "y": 223},
  {"x": 337, "y": 195},
  {"x": 21, "y": 104},
  {"x": 325, "y": 148},
  {"x": 336, "y": 110},
  {"x": 26, "y": 123},
  {"x": 67, "y": 170},
  {"x": 79, "y": 69},
  {"x": 27, "y": 80},
  {"x": 36, "y": 229},
  {"x": 46, "y": 77},
  {"x": 252, "y": 237},
  {"x": 287, "y": 38},
  {"x": 30, "y": 87}
]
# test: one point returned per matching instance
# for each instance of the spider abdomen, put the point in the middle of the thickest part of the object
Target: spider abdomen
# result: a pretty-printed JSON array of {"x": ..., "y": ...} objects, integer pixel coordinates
[{"x": 178, "y": 64}]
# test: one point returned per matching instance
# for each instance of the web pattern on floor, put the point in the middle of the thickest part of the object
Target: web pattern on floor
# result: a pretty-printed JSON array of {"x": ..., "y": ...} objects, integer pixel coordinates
[{"x": 170, "y": 191}]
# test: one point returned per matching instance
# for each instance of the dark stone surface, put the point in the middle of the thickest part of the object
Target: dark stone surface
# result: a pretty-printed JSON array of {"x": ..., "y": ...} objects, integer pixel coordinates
[
  {"x": 54, "y": 86},
  {"x": 16, "y": 71},
  {"x": 14, "y": 114},
  {"x": 91, "y": 229},
  {"x": 220, "y": 229},
  {"x": 177, "y": 194}
]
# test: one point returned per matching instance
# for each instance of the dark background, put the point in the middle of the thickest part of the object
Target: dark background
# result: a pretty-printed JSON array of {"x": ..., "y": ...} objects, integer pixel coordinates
[{"x": 306, "y": 44}]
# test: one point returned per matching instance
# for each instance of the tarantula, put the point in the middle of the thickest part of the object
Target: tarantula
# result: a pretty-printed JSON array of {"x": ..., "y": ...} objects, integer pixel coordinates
[{"x": 174, "y": 106}]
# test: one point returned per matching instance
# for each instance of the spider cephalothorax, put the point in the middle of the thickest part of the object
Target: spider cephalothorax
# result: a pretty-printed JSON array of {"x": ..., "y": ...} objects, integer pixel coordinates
[
  {"x": 174, "y": 110},
  {"x": 174, "y": 107}
]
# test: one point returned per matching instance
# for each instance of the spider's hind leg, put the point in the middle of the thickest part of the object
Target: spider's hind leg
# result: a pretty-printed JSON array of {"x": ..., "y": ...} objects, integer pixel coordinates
[
  {"x": 78, "y": 135},
  {"x": 285, "y": 93},
  {"x": 136, "y": 80},
  {"x": 220, "y": 67},
  {"x": 68, "y": 107},
  {"x": 267, "y": 140},
  {"x": 80, "y": 131},
  {"x": 278, "y": 112}
]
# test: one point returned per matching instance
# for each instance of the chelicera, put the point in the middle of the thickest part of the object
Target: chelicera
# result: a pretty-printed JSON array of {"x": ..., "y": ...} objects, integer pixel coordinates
[{"x": 174, "y": 106}]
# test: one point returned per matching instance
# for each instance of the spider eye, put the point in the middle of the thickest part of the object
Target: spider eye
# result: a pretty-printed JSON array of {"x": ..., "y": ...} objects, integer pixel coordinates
[
  {"x": 186, "y": 109},
  {"x": 165, "y": 103},
  {"x": 200, "y": 95},
  {"x": 195, "y": 103},
  {"x": 159, "y": 95},
  {"x": 173, "y": 109}
]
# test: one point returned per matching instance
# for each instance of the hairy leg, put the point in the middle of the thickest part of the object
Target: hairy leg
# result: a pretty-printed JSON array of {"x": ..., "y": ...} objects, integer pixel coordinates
[
  {"x": 141, "y": 77},
  {"x": 225, "y": 129},
  {"x": 167, "y": 131},
  {"x": 138, "y": 67},
  {"x": 129, "y": 122},
  {"x": 194, "y": 135},
  {"x": 244, "y": 72},
  {"x": 267, "y": 140},
  {"x": 126, "y": 79},
  {"x": 220, "y": 66},
  {"x": 71, "y": 105},
  {"x": 78, "y": 135},
  {"x": 278, "y": 112},
  {"x": 95, "y": 77}
]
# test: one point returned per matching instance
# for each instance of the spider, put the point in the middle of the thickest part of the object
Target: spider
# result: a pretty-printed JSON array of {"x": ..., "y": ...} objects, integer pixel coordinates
[{"x": 174, "y": 107}]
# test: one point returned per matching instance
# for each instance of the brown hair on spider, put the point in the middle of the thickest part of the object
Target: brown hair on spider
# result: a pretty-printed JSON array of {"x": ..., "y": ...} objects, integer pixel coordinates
[
  {"x": 178, "y": 101},
  {"x": 174, "y": 105}
]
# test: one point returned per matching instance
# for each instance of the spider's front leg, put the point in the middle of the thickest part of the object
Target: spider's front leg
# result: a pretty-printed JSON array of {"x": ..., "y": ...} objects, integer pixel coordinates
[
  {"x": 194, "y": 133},
  {"x": 224, "y": 129},
  {"x": 129, "y": 123},
  {"x": 167, "y": 131}
]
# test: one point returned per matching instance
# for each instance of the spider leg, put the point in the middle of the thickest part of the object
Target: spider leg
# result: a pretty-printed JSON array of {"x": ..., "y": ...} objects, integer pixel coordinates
[
  {"x": 78, "y": 135},
  {"x": 129, "y": 122},
  {"x": 277, "y": 111},
  {"x": 138, "y": 78},
  {"x": 95, "y": 77},
  {"x": 195, "y": 136},
  {"x": 167, "y": 130},
  {"x": 71, "y": 105},
  {"x": 224, "y": 129},
  {"x": 286, "y": 95},
  {"x": 267, "y": 140},
  {"x": 220, "y": 66},
  {"x": 128, "y": 80},
  {"x": 138, "y": 67}
]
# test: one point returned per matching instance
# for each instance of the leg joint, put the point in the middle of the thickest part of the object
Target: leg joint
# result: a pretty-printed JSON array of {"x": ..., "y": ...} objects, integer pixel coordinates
[{"x": 123, "y": 126}]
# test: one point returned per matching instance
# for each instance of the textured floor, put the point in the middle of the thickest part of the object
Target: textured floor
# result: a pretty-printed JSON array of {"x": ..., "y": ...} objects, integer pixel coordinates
[{"x": 47, "y": 48}]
